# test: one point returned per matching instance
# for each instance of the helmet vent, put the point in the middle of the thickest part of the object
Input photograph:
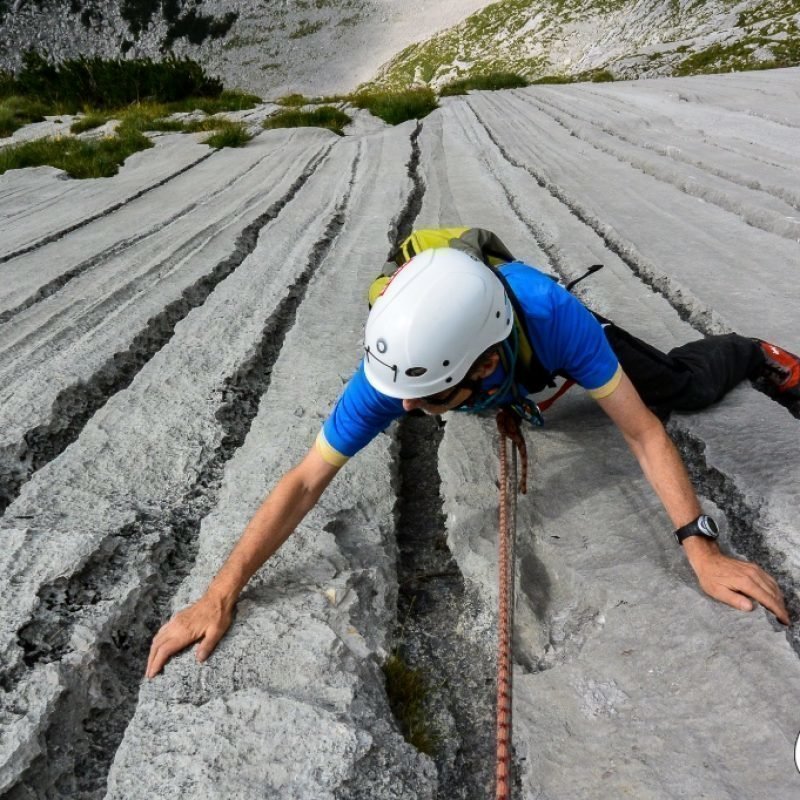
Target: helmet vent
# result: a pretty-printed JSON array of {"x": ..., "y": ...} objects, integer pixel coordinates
[{"x": 415, "y": 372}]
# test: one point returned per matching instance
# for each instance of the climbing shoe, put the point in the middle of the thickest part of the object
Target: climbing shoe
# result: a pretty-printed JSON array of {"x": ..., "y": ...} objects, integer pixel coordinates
[{"x": 782, "y": 369}]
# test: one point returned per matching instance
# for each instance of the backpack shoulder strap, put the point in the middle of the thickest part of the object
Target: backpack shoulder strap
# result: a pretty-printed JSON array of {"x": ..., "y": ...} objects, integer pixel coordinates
[{"x": 484, "y": 245}]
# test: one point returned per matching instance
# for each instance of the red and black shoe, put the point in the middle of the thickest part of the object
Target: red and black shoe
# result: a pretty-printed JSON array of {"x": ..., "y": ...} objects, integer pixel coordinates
[{"x": 782, "y": 369}]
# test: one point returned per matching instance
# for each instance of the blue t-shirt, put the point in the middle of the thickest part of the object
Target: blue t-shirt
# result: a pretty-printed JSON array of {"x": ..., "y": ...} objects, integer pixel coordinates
[{"x": 564, "y": 334}]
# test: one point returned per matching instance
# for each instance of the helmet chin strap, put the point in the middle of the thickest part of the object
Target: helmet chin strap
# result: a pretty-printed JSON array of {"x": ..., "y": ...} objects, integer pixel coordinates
[{"x": 483, "y": 400}]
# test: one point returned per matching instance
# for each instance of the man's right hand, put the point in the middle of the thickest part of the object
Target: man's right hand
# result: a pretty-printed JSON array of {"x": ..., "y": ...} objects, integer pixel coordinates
[{"x": 206, "y": 622}]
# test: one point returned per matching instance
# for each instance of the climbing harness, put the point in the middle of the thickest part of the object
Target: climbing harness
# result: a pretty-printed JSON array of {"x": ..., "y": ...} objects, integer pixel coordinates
[{"x": 508, "y": 427}]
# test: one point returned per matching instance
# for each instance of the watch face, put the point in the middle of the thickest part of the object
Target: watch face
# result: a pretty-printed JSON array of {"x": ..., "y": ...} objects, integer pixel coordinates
[{"x": 708, "y": 526}]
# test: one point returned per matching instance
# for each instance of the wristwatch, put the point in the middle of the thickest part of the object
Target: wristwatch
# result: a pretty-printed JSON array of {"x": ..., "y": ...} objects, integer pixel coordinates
[{"x": 702, "y": 526}]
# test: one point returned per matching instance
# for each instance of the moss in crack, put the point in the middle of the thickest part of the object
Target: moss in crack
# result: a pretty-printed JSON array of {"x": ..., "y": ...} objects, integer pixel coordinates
[{"x": 408, "y": 689}]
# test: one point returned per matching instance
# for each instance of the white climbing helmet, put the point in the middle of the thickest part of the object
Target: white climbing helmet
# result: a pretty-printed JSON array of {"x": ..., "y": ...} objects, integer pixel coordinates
[{"x": 437, "y": 315}]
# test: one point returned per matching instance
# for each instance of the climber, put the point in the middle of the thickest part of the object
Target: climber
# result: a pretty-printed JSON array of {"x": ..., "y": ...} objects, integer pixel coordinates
[{"x": 451, "y": 330}]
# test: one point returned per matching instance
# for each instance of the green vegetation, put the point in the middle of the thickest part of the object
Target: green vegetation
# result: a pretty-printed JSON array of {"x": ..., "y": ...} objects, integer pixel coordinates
[
  {"x": 16, "y": 111},
  {"x": 397, "y": 107},
  {"x": 490, "y": 81},
  {"x": 227, "y": 100},
  {"x": 553, "y": 79},
  {"x": 323, "y": 117},
  {"x": 596, "y": 76},
  {"x": 88, "y": 122},
  {"x": 407, "y": 691},
  {"x": 112, "y": 83},
  {"x": 293, "y": 100},
  {"x": 232, "y": 134},
  {"x": 78, "y": 158},
  {"x": 738, "y": 56},
  {"x": 43, "y": 88},
  {"x": 306, "y": 28},
  {"x": 197, "y": 27},
  {"x": 474, "y": 42},
  {"x": 193, "y": 25}
]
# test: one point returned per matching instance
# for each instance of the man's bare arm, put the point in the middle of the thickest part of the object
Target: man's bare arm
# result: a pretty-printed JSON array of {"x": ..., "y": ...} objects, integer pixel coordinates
[
  {"x": 207, "y": 620},
  {"x": 724, "y": 578}
]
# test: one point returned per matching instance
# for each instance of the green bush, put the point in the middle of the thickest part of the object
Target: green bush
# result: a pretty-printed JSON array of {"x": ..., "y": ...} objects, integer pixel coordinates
[
  {"x": 8, "y": 84},
  {"x": 490, "y": 81},
  {"x": 322, "y": 117},
  {"x": 232, "y": 134},
  {"x": 397, "y": 107},
  {"x": 17, "y": 111},
  {"x": 601, "y": 76},
  {"x": 112, "y": 83},
  {"x": 99, "y": 158}
]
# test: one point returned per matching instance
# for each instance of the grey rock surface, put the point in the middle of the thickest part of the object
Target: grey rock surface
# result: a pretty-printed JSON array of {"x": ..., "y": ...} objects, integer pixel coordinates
[{"x": 172, "y": 339}]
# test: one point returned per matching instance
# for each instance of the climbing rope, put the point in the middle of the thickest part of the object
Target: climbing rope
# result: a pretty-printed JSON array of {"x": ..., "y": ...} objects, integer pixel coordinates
[{"x": 507, "y": 424}]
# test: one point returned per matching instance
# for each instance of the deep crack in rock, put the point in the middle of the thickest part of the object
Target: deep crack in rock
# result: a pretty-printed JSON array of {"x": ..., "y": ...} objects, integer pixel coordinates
[
  {"x": 744, "y": 521},
  {"x": 435, "y": 610}
]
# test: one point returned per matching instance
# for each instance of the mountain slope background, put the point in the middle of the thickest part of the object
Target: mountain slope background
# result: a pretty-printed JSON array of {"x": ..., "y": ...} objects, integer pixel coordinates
[{"x": 321, "y": 46}]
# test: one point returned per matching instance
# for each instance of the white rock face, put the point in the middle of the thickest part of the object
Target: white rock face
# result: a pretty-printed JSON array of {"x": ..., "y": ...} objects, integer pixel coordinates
[{"x": 171, "y": 340}]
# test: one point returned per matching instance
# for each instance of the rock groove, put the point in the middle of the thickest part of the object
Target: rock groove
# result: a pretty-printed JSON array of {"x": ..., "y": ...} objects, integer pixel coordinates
[
  {"x": 89, "y": 721},
  {"x": 54, "y": 237},
  {"x": 75, "y": 406}
]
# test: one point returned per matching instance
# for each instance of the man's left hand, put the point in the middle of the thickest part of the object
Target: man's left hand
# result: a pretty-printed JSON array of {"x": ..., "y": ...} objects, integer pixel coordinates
[{"x": 732, "y": 581}]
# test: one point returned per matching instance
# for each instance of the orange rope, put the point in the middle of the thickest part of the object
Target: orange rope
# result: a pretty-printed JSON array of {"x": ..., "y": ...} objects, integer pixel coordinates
[{"x": 508, "y": 427}]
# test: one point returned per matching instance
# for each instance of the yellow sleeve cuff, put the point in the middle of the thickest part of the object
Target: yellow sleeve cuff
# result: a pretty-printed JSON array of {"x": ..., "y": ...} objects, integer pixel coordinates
[
  {"x": 328, "y": 453},
  {"x": 607, "y": 388}
]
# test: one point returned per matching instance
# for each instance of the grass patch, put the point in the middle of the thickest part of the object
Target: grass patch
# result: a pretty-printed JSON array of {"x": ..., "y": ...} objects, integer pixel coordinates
[
  {"x": 596, "y": 76},
  {"x": 233, "y": 134},
  {"x": 397, "y": 107},
  {"x": 488, "y": 82},
  {"x": 89, "y": 122},
  {"x": 79, "y": 159},
  {"x": 17, "y": 111},
  {"x": 293, "y": 100},
  {"x": 407, "y": 691},
  {"x": 557, "y": 79},
  {"x": 227, "y": 100},
  {"x": 323, "y": 117}
]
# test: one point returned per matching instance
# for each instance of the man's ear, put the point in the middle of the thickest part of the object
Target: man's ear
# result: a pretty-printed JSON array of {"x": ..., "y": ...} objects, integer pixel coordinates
[{"x": 488, "y": 366}]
